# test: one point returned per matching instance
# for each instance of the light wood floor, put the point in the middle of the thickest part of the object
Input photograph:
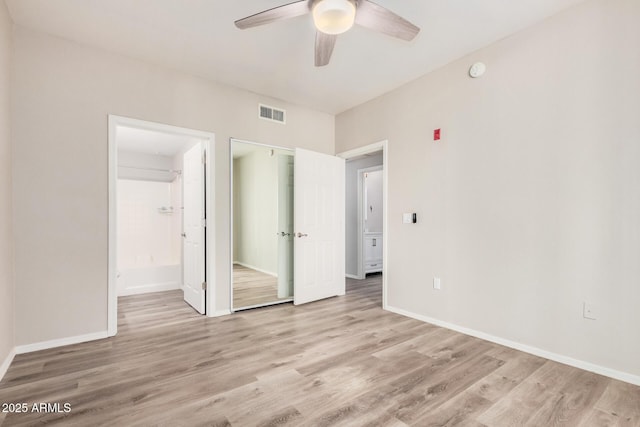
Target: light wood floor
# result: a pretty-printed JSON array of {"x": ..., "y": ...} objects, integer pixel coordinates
[
  {"x": 251, "y": 287},
  {"x": 342, "y": 361}
]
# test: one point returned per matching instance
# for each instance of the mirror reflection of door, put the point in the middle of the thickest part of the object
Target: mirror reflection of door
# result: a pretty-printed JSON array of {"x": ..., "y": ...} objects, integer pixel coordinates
[
  {"x": 262, "y": 191},
  {"x": 285, "y": 225}
]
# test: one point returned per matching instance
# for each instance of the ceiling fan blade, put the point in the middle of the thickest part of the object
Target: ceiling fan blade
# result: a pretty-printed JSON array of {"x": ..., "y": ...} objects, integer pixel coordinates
[
  {"x": 378, "y": 18},
  {"x": 324, "y": 47},
  {"x": 286, "y": 11}
]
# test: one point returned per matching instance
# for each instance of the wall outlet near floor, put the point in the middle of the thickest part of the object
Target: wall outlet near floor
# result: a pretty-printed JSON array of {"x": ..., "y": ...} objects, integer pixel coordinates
[
  {"x": 589, "y": 311},
  {"x": 436, "y": 283}
]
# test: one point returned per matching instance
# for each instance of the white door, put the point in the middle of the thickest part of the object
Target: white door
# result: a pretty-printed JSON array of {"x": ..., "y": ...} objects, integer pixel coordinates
[
  {"x": 319, "y": 226},
  {"x": 194, "y": 228},
  {"x": 285, "y": 226}
]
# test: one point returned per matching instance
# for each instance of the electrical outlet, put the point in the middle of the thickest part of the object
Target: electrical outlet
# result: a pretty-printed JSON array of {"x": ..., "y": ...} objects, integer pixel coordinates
[
  {"x": 436, "y": 283},
  {"x": 589, "y": 311}
]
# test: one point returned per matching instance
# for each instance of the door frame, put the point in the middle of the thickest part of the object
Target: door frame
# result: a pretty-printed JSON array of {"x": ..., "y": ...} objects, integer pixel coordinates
[
  {"x": 368, "y": 149},
  {"x": 259, "y": 144},
  {"x": 114, "y": 122},
  {"x": 361, "y": 212}
]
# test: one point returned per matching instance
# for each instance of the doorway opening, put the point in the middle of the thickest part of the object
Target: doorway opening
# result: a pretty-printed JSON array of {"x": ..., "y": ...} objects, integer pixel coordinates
[
  {"x": 366, "y": 213},
  {"x": 370, "y": 219},
  {"x": 159, "y": 198}
]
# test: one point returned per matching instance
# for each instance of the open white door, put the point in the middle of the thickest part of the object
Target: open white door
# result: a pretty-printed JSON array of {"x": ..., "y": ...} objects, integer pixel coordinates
[
  {"x": 319, "y": 226},
  {"x": 193, "y": 235}
]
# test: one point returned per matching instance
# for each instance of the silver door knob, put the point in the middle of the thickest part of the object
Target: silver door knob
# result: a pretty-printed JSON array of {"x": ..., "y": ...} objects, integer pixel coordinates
[
  {"x": 282, "y": 233},
  {"x": 302, "y": 235}
]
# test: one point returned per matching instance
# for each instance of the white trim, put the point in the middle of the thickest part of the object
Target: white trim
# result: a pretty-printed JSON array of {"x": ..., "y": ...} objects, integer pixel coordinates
[
  {"x": 361, "y": 213},
  {"x": 266, "y": 304},
  {"x": 580, "y": 364},
  {"x": 209, "y": 138},
  {"x": 372, "y": 148},
  {"x": 112, "y": 297},
  {"x": 256, "y": 268},
  {"x": 351, "y": 276},
  {"x": 231, "y": 224},
  {"x": 7, "y": 362},
  {"x": 210, "y": 230},
  {"x": 260, "y": 144},
  {"x": 153, "y": 287},
  {"x": 220, "y": 313},
  {"x": 44, "y": 345}
]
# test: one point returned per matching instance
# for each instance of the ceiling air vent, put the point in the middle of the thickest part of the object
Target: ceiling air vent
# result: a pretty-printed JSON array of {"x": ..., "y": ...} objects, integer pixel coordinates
[{"x": 272, "y": 114}]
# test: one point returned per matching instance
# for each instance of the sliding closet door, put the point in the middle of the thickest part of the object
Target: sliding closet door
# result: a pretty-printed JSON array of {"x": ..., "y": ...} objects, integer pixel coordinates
[{"x": 319, "y": 228}]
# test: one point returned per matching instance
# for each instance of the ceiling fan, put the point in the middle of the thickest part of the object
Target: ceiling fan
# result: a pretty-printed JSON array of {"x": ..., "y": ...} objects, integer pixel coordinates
[{"x": 333, "y": 17}]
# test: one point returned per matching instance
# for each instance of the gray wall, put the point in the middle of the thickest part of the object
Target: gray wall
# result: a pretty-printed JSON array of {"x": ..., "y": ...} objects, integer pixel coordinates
[
  {"x": 351, "y": 205},
  {"x": 7, "y": 338},
  {"x": 529, "y": 205},
  {"x": 63, "y": 93}
]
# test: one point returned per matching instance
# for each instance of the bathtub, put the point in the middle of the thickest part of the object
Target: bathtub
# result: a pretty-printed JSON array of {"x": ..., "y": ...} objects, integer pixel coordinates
[{"x": 133, "y": 281}]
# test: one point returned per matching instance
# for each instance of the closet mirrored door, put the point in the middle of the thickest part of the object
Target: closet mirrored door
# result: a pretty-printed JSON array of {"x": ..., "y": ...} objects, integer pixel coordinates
[{"x": 262, "y": 231}]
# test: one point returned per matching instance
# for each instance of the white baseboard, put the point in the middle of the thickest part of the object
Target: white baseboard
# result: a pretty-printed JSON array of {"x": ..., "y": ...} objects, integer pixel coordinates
[
  {"x": 352, "y": 276},
  {"x": 44, "y": 345},
  {"x": 580, "y": 364},
  {"x": 256, "y": 268},
  {"x": 4, "y": 367},
  {"x": 145, "y": 289},
  {"x": 220, "y": 313}
]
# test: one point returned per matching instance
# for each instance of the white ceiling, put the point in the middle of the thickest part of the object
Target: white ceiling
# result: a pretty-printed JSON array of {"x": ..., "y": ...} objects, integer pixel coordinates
[
  {"x": 198, "y": 36},
  {"x": 152, "y": 142}
]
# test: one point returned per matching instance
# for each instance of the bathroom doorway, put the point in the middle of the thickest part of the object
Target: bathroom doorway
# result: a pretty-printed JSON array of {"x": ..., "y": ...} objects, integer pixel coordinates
[{"x": 157, "y": 212}]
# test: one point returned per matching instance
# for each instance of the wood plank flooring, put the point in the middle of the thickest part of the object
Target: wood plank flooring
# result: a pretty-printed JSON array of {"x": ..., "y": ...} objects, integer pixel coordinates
[
  {"x": 251, "y": 287},
  {"x": 338, "y": 362}
]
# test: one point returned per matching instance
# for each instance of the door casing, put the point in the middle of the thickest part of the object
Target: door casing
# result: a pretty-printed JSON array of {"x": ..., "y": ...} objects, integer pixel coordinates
[
  {"x": 114, "y": 122},
  {"x": 368, "y": 149}
]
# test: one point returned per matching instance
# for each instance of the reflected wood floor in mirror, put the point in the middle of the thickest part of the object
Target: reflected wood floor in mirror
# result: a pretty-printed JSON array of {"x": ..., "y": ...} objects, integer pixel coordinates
[
  {"x": 337, "y": 362},
  {"x": 252, "y": 287}
]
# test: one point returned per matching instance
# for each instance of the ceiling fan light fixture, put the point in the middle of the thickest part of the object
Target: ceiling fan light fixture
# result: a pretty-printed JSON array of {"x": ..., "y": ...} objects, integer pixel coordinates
[{"x": 334, "y": 16}]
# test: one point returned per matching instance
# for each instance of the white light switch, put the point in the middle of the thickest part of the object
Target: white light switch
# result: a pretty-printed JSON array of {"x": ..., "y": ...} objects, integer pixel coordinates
[
  {"x": 436, "y": 283},
  {"x": 407, "y": 218}
]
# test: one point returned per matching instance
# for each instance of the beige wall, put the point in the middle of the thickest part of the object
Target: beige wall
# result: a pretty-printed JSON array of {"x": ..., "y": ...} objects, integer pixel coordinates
[
  {"x": 7, "y": 340},
  {"x": 255, "y": 214},
  {"x": 63, "y": 94},
  {"x": 529, "y": 205}
]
